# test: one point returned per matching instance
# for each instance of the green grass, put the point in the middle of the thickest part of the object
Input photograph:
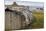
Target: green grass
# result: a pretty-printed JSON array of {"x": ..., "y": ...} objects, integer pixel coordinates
[{"x": 38, "y": 19}]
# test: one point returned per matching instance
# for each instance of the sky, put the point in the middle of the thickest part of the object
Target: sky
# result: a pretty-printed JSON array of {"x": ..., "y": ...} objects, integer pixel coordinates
[{"x": 26, "y": 3}]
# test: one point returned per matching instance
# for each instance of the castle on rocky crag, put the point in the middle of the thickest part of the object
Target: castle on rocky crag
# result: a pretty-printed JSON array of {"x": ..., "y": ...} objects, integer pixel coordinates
[{"x": 13, "y": 18}]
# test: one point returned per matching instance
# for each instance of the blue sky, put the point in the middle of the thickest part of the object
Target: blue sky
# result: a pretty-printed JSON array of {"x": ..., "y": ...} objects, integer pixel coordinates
[{"x": 26, "y": 3}]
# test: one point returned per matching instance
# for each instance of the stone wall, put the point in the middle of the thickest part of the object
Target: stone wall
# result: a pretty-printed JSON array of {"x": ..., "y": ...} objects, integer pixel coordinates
[{"x": 12, "y": 21}]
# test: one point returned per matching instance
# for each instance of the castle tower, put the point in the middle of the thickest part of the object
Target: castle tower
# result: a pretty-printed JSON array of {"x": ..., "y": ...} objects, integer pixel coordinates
[{"x": 14, "y": 4}]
